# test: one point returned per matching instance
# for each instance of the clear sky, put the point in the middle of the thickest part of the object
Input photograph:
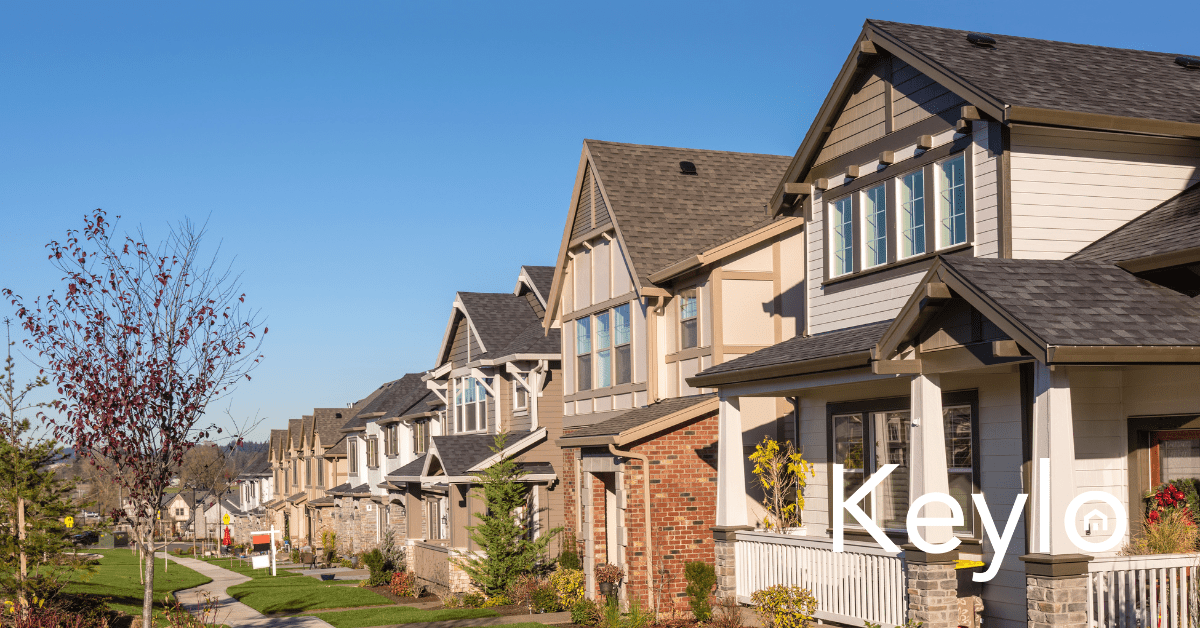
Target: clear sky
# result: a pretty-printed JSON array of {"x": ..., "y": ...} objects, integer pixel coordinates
[{"x": 367, "y": 160}]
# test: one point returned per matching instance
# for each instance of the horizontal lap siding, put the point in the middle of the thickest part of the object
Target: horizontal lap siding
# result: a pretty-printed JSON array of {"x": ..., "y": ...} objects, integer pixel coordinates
[
  {"x": 987, "y": 231},
  {"x": 861, "y": 120},
  {"x": 458, "y": 349},
  {"x": 582, "y": 221},
  {"x": 1070, "y": 188},
  {"x": 917, "y": 97}
]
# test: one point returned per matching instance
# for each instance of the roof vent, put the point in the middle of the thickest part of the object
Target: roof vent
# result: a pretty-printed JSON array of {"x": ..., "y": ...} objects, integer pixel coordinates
[
  {"x": 980, "y": 40},
  {"x": 1190, "y": 63},
  {"x": 687, "y": 167}
]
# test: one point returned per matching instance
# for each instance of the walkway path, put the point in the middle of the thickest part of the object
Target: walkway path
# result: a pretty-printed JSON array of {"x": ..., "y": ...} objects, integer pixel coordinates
[{"x": 230, "y": 611}]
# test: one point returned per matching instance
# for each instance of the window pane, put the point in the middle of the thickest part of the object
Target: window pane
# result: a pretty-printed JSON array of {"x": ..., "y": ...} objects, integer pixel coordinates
[
  {"x": 891, "y": 436},
  {"x": 957, "y": 420},
  {"x": 876, "y": 226},
  {"x": 621, "y": 324},
  {"x": 952, "y": 188},
  {"x": 687, "y": 308},
  {"x": 603, "y": 338},
  {"x": 583, "y": 336},
  {"x": 604, "y": 368},
  {"x": 624, "y": 364},
  {"x": 687, "y": 334},
  {"x": 471, "y": 425},
  {"x": 583, "y": 370},
  {"x": 848, "y": 449},
  {"x": 912, "y": 214},
  {"x": 1179, "y": 459},
  {"x": 843, "y": 236}
]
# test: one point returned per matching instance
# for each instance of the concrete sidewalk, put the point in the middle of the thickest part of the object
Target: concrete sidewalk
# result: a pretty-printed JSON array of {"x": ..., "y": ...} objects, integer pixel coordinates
[{"x": 230, "y": 611}]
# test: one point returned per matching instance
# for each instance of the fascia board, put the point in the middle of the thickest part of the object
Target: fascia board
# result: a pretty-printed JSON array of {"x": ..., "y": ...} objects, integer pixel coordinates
[
  {"x": 806, "y": 367},
  {"x": 585, "y": 441},
  {"x": 908, "y": 314},
  {"x": 1000, "y": 317},
  {"x": 556, "y": 286},
  {"x": 616, "y": 224}
]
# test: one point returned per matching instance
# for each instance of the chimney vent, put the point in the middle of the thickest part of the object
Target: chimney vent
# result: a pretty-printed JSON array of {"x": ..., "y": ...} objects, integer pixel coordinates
[
  {"x": 687, "y": 167},
  {"x": 980, "y": 40},
  {"x": 1190, "y": 63}
]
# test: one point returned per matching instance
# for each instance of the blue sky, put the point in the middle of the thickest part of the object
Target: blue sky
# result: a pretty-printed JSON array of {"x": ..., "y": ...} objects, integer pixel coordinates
[{"x": 366, "y": 160}]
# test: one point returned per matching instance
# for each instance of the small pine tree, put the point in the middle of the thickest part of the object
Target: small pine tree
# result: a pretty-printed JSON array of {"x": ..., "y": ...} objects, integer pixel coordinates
[{"x": 505, "y": 531}]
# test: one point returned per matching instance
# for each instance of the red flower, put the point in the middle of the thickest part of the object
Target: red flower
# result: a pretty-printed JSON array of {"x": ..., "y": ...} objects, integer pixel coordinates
[{"x": 1153, "y": 517}]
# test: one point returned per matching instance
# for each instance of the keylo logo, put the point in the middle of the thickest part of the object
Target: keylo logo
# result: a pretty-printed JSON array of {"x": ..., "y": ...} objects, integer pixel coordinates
[{"x": 999, "y": 542}]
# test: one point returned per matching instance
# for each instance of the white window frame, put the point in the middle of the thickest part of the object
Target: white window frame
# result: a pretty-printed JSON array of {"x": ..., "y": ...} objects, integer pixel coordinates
[
  {"x": 901, "y": 211},
  {"x": 869, "y": 239},
  {"x": 518, "y": 391},
  {"x": 694, "y": 294},
  {"x": 941, "y": 200},
  {"x": 846, "y": 228},
  {"x": 461, "y": 389}
]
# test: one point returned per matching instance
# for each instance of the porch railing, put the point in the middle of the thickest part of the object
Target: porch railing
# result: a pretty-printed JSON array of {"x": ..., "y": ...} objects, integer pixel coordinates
[
  {"x": 862, "y": 583},
  {"x": 1156, "y": 591}
]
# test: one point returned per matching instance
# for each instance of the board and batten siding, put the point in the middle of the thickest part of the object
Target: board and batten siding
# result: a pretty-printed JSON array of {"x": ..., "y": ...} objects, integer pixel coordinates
[{"x": 1070, "y": 187}]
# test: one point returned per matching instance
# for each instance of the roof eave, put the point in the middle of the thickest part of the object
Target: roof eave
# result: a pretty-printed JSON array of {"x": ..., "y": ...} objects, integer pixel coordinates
[
  {"x": 820, "y": 365},
  {"x": 1141, "y": 354},
  {"x": 1102, "y": 122}
]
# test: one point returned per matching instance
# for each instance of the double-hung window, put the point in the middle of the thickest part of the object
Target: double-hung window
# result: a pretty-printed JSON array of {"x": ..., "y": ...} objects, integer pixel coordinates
[
  {"x": 420, "y": 436},
  {"x": 868, "y": 435},
  {"x": 689, "y": 317},
  {"x": 470, "y": 401},
  {"x": 320, "y": 474},
  {"x": 843, "y": 236},
  {"x": 372, "y": 452},
  {"x": 622, "y": 339},
  {"x": 952, "y": 202},
  {"x": 520, "y": 395},
  {"x": 603, "y": 350},
  {"x": 296, "y": 473},
  {"x": 392, "y": 443},
  {"x": 912, "y": 213},
  {"x": 308, "y": 479},
  {"x": 875, "y": 226},
  {"x": 583, "y": 353},
  {"x": 352, "y": 456}
]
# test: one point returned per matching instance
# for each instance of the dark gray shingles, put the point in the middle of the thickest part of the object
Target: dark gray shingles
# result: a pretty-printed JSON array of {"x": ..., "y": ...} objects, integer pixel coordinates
[
  {"x": 1073, "y": 303},
  {"x": 803, "y": 348},
  {"x": 665, "y": 216},
  {"x": 640, "y": 416},
  {"x": 533, "y": 340},
  {"x": 536, "y": 468},
  {"x": 340, "y": 488},
  {"x": 386, "y": 399},
  {"x": 1057, "y": 75},
  {"x": 428, "y": 403},
  {"x": 463, "y": 451},
  {"x": 542, "y": 277},
  {"x": 329, "y": 422},
  {"x": 498, "y": 317},
  {"x": 1172, "y": 226},
  {"x": 411, "y": 469}
]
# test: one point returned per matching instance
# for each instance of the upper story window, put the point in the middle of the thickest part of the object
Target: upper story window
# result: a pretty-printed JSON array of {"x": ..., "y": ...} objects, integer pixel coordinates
[
  {"x": 178, "y": 512},
  {"x": 372, "y": 453},
  {"x": 470, "y": 405},
  {"x": 352, "y": 456},
  {"x": 321, "y": 472},
  {"x": 583, "y": 353},
  {"x": 886, "y": 223},
  {"x": 688, "y": 318},
  {"x": 622, "y": 338},
  {"x": 420, "y": 436},
  {"x": 296, "y": 472},
  {"x": 308, "y": 477},
  {"x": 391, "y": 440},
  {"x": 912, "y": 214},
  {"x": 520, "y": 396},
  {"x": 952, "y": 202},
  {"x": 603, "y": 350}
]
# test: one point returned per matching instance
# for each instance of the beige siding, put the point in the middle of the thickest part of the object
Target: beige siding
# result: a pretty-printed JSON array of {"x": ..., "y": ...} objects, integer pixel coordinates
[
  {"x": 986, "y": 186},
  {"x": 582, "y": 220},
  {"x": 1069, "y": 188},
  {"x": 862, "y": 119},
  {"x": 601, "y": 271},
  {"x": 747, "y": 307},
  {"x": 791, "y": 259},
  {"x": 458, "y": 348},
  {"x": 583, "y": 279},
  {"x": 917, "y": 97}
]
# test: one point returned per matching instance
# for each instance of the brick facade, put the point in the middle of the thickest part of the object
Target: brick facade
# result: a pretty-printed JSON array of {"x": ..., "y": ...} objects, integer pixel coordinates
[{"x": 683, "y": 495}]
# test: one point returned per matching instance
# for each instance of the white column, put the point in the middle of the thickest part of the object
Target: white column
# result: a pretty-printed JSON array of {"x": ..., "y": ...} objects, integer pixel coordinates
[
  {"x": 731, "y": 475},
  {"x": 927, "y": 451},
  {"x": 1053, "y": 439}
]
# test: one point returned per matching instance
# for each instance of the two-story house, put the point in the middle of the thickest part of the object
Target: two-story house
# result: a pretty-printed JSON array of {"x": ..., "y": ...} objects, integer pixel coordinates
[
  {"x": 255, "y": 489},
  {"x": 669, "y": 263},
  {"x": 498, "y": 371},
  {"x": 997, "y": 273}
]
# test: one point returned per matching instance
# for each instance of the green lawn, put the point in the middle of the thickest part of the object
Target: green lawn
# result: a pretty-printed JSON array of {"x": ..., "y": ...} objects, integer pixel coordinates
[
  {"x": 302, "y": 593},
  {"x": 406, "y": 615},
  {"x": 244, "y": 568},
  {"x": 116, "y": 578}
]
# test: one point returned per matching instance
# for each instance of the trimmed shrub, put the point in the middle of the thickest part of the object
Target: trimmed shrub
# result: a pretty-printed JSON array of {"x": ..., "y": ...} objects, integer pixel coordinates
[
  {"x": 568, "y": 557},
  {"x": 473, "y": 600},
  {"x": 585, "y": 613},
  {"x": 701, "y": 578},
  {"x": 404, "y": 584},
  {"x": 545, "y": 600}
]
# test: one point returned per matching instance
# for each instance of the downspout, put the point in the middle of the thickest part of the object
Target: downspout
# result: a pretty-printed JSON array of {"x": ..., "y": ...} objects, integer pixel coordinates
[
  {"x": 536, "y": 376},
  {"x": 646, "y": 496}
]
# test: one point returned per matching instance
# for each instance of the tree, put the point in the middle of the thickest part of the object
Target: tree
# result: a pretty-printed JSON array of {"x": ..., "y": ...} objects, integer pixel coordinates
[
  {"x": 32, "y": 495},
  {"x": 506, "y": 529},
  {"x": 142, "y": 340}
]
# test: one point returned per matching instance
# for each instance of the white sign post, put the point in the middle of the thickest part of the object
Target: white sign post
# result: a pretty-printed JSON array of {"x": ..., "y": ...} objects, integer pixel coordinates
[{"x": 272, "y": 532}]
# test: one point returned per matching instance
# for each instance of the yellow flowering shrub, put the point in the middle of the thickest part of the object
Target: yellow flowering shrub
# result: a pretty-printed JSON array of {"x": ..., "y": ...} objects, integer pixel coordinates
[
  {"x": 783, "y": 606},
  {"x": 782, "y": 474},
  {"x": 568, "y": 586}
]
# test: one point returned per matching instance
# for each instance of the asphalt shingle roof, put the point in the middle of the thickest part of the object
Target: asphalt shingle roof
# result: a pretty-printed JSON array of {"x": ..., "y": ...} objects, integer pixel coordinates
[
  {"x": 1073, "y": 303},
  {"x": 498, "y": 317},
  {"x": 463, "y": 451},
  {"x": 542, "y": 277},
  {"x": 1172, "y": 226},
  {"x": 329, "y": 422},
  {"x": 411, "y": 469},
  {"x": 533, "y": 339},
  {"x": 340, "y": 488},
  {"x": 1025, "y": 72},
  {"x": 803, "y": 348},
  {"x": 386, "y": 399},
  {"x": 428, "y": 403},
  {"x": 665, "y": 216},
  {"x": 640, "y": 416}
]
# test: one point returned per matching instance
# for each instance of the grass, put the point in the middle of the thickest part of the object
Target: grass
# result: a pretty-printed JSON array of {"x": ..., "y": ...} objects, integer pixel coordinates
[
  {"x": 243, "y": 568},
  {"x": 116, "y": 578},
  {"x": 301, "y": 593},
  {"x": 406, "y": 615}
]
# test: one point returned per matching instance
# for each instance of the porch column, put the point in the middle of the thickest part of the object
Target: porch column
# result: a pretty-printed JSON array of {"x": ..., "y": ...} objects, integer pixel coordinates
[
  {"x": 930, "y": 579},
  {"x": 1055, "y": 574},
  {"x": 732, "y": 513}
]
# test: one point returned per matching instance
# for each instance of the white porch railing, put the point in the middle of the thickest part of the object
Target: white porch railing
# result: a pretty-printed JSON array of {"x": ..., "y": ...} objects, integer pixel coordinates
[
  {"x": 862, "y": 583},
  {"x": 1156, "y": 591}
]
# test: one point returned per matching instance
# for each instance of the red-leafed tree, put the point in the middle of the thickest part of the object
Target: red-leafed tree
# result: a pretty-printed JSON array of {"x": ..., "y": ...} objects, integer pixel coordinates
[{"x": 139, "y": 343}]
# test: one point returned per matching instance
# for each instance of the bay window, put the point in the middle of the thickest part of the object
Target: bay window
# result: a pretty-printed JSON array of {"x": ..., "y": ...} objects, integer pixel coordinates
[
  {"x": 470, "y": 405},
  {"x": 864, "y": 436},
  {"x": 583, "y": 353}
]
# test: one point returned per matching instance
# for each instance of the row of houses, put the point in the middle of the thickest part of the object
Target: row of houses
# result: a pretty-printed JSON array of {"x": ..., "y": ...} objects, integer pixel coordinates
[{"x": 980, "y": 261}]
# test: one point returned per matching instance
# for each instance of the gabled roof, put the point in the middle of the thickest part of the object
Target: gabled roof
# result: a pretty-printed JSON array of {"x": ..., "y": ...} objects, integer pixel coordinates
[
  {"x": 834, "y": 349},
  {"x": 460, "y": 452},
  {"x": 277, "y": 443},
  {"x": 1024, "y": 80},
  {"x": 642, "y": 422},
  {"x": 294, "y": 433},
  {"x": 534, "y": 340},
  {"x": 258, "y": 465},
  {"x": 328, "y": 423},
  {"x": 541, "y": 277},
  {"x": 498, "y": 317},
  {"x": 427, "y": 404},
  {"x": 338, "y": 450},
  {"x": 1019, "y": 72},
  {"x": 1165, "y": 231},
  {"x": 385, "y": 400},
  {"x": 306, "y": 431},
  {"x": 663, "y": 216},
  {"x": 410, "y": 471}
]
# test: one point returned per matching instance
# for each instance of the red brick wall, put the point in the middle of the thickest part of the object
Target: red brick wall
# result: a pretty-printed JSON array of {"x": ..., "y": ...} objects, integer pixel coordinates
[{"x": 683, "y": 495}]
